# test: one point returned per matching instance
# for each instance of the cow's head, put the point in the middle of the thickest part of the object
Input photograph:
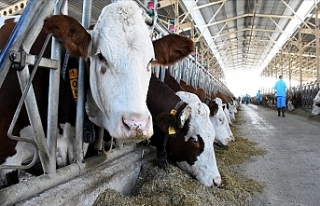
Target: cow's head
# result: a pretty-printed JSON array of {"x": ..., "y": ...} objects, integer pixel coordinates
[
  {"x": 120, "y": 53},
  {"x": 316, "y": 105},
  {"x": 232, "y": 111},
  {"x": 194, "y": 151},
  {"x": 221, "y": 124}
]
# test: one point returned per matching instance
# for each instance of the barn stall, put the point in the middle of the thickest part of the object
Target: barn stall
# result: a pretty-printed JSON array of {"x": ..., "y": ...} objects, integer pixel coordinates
[
  {"x": 53, "y": 177},
  {"x": 193, "y": 70}
]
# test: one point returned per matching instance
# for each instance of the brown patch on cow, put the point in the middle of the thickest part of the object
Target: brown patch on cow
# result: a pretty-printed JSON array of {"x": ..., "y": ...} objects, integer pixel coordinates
[
  {"x": 223, "y": 97},
  {"x": 103, "y": 70},
  {"x": 5, "y": 31},
  {"x": 69, "y": 30},
  {"x": 213, "y": 96},
  {"x": 185, "y": 151},
  {"x": 172, "y": 48},
  {"x": 172, "y": 82},
  {"x": 213, "y": 107},
  {"x": 201, "y": 94}
]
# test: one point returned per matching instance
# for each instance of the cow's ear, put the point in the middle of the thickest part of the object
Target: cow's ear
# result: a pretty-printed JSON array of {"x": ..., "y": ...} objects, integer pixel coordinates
[
  {"x": 166, "y": 123},
  {"x": 213, "y": 106},
  {"x": 67, "y": 29},
  {"x": 172, "y": 48},
  {"x": 201, "y": 94}
]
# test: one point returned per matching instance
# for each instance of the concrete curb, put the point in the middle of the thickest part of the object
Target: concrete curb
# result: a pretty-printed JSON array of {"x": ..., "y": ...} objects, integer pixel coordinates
[{"x": 119, "y": 174}]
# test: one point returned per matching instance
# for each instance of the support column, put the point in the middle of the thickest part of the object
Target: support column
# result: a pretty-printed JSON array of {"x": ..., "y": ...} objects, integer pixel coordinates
[{"x": 300, "y": 57}]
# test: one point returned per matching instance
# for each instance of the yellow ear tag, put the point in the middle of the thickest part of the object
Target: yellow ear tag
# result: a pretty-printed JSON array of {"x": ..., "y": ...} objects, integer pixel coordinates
[
  {"x": 172, "y": 130},
  {"x": 173, "y": 112}
]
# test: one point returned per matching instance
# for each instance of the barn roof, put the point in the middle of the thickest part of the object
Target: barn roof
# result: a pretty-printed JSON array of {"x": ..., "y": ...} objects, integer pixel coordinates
[{"x": 263, "y": 36}]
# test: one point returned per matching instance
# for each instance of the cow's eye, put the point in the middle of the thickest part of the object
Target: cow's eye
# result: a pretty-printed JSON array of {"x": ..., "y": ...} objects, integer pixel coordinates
[{"x": 101, "y": 57}]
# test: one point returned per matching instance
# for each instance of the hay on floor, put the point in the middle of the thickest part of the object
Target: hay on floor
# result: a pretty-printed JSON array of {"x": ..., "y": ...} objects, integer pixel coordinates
[{"x": 159, "y": 187}]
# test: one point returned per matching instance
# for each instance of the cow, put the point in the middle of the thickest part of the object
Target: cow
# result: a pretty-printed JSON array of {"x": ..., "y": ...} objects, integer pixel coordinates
[
  {"x": 183, "y": 132},
  {"x": 228, "y": 108},
  {"x": 296, "y": 100},
  {"x": 119, "y": 54},
  {"x": 199, "y": 91},
  {"x": 221, "y": 124},
  {"x": 217, "y": 117},
  {"x": 316, "y": 104}
]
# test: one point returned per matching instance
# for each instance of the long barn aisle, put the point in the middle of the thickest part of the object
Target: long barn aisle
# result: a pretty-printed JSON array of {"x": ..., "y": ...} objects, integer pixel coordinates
[{"x": 291, "y": 166}]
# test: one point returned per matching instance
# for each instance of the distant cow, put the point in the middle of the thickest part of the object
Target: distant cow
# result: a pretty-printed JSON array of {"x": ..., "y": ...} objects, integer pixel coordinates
[
  {"x": 221, "y": 124},
  {"x": 316, "y": 105},
  {"x": 183, "y": 131},
  {"x": 119, "y": 52}
]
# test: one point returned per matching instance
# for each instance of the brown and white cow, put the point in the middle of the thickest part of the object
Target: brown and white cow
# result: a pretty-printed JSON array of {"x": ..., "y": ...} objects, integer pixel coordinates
[
  {"x": 223, "y": 134},
  {"x": 183, "y": 131},
  {"x": 120, "y": 52}
]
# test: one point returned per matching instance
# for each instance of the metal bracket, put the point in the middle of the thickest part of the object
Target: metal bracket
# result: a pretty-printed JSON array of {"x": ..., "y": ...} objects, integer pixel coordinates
[{"x": 19, "y": 59}]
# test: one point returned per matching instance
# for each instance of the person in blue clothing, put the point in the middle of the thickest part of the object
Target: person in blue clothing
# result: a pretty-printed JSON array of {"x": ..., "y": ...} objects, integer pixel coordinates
[
  {"x": 247, "y": 99},
  {"x": 280, "y": 88},
  {"x": 258, "y": 97}
]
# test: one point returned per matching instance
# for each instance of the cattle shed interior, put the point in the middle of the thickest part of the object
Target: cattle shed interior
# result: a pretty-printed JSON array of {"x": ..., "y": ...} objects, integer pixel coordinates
[
  {"x": 266, "y": 38},
  {"x": 233, "y": 38}
]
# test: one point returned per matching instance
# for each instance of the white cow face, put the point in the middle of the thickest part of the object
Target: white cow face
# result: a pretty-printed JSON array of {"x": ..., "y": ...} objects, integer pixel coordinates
[
  {"x": 205, "y": 168},
  {"x": 232, "y": 111},
  {"x": 221, "y": 125},
  {"x": 120, "y": 69},
  {"x": 316, "y": 105},
  {"x": 120, "y": 52}
]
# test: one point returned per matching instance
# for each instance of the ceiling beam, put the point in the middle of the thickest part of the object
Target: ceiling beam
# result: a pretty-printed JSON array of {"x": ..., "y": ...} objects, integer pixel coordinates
[{"x": 243, "y": 16}]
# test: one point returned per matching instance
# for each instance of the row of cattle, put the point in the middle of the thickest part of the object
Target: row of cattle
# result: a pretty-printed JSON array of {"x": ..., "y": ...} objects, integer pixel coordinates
[
  {"x": 122, "y": 95},
  {"x": 293, "y": 101}
]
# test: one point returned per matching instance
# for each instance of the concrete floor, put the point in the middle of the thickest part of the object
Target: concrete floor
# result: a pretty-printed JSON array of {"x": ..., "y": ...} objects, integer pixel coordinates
[{"x": 291, "y": 167}]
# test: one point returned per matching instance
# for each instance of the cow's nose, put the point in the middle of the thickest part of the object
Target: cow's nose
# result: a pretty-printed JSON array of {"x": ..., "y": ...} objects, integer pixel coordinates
[
  {"x": 231, "y": 138},
  {"x": 217, "y": 181},
  {"x": 138, "y": 125}
]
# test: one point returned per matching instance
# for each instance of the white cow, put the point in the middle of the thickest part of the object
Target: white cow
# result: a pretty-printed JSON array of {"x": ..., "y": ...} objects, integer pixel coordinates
[
  {"x": 232, "y": 112},
  {"x": 226, "y": 111},
  {"x": 205, "y": 168},
  {"x": 290, "y": 105},
  {"x": 316, "y": 105},
  {"x": 221, "y": 125}
]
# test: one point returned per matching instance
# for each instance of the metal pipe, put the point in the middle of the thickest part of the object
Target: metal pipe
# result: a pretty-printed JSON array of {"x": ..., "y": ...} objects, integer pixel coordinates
[
  {"x": 78, "y": 140},
  {"x": 28, "y": 96},
  {"x": 148, "y": 19},
  {"x": 317, "y": 45},
  {"x": 16, "y": 39},
  {"x": 53, "y": 99},
  {"x": 24, "y": 190}
]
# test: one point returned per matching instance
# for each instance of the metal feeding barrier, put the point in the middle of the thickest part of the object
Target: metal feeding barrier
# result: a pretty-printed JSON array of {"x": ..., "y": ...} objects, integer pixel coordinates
[{"x": 12, "y": 57}]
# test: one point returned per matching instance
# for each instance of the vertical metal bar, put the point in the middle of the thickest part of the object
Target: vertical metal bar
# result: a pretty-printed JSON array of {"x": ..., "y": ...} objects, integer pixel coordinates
[
  {"x": 30, "y": 37},
  {"x": 317, "y": 44},
  {"x": 53, "y": 99},
  {"x": 78, "y": 141},
  {"x": 15, "y": 38},
  {"x": 290, "y": 68},
  {"x": 28, "y": 97}
]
